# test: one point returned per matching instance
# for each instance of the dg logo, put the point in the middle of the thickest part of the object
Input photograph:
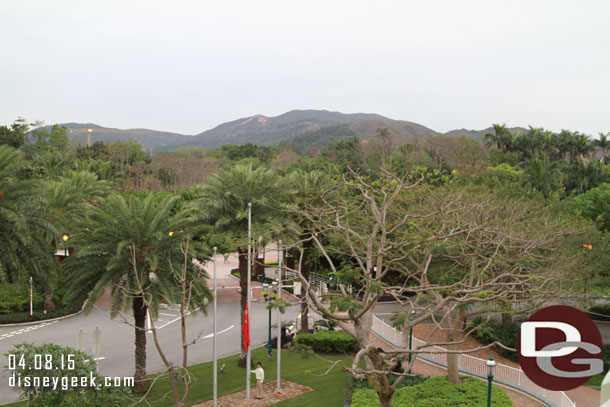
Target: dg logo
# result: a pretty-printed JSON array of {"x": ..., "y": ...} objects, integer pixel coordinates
[{"x": 560, "y": 348}]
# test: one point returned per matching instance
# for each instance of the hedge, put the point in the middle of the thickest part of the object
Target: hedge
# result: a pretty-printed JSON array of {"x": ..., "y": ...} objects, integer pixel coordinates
[
  {"x": 328, "y": 341},
  {"x": 437, "y": 392},
  {"x": 600, "y": 312},
  {"x": 16, "y": 298},
  {"x": 492, "y": 331}
]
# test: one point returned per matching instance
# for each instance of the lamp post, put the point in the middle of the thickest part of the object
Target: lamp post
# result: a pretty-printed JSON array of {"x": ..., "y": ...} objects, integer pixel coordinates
[
  {"x": 279, "y": 314},
  {"x": 411, "y": 340},
  {"x": 269, "y": 298},
  {"x": 491, "y": 364},
  {"x": 31, "y": 308},
  {"x": 65, "y": 238}
]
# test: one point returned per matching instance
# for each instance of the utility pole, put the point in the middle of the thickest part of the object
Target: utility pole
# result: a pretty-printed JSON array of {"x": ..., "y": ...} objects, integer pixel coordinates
[
  {"x": 215, "y": 364},
  {"x": 279, "y": 314},
  {"x": 249, "y": 295}
]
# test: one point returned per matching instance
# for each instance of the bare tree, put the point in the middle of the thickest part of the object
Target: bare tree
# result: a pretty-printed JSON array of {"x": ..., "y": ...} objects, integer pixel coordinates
[
  {"x": 190, "y": 291},
  {"x": 441, "y": 253}
]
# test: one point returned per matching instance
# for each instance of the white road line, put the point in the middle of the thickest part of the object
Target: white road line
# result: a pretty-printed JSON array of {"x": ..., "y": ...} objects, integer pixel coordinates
[
  {"x": 221, "y": 332},
  {"x": 167, "y": 315}
]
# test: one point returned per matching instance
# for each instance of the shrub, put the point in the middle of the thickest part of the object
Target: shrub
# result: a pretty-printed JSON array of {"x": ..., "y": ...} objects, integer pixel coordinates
[
  {"x": 16, "y": 298},
  {"x": 357, "y": 384},
  {"x": 600, "y": 312},
  {"x": 328, "y": 341},
  {"x": 65, "y": 365},
  {"x": 437, "y": 392},
  {"x": 492, "y": 331}
]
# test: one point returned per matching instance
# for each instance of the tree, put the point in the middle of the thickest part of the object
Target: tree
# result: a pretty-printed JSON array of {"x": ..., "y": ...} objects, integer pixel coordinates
[
  {"x": 130, "y": 247},
  {"x": 58, "y": 137},
  {"x": 595, "y": 205},
  {"x": 24, "y": 225},
  {"x": 541, "y": 176},
  {"x": 455, "y": 253},
  {"x": 603, "y": 143},
  {"x": 69, "y": 199},
  {"x": 305, "y": 187},
  {"x": 224, "y": 206},
  {"x": 15, "y": 135}
]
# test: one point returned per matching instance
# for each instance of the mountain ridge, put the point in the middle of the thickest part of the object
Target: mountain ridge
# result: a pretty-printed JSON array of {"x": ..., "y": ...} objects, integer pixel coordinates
[{"x": 303, "y": 128}]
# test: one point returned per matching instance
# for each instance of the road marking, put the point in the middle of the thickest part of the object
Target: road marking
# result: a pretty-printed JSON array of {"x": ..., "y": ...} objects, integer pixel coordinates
[
  {"x": 25, "y": 330},
  {"x": 221, "y": 332},
  {"x": 167, "y": 315}
]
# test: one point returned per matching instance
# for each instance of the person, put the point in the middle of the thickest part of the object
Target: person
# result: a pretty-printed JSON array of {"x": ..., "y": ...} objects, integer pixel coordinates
[
  {"x": 260, "y": 376},
  {"x": 226, "y": 256}
]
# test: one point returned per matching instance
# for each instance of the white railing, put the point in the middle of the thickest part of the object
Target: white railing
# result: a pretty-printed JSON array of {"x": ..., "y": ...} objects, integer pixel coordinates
[{"x": 507, "y": 375}]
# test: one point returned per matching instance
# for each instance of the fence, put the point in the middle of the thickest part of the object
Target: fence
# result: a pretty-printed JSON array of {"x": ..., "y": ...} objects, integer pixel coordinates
[{"x": 503, "y": 374}]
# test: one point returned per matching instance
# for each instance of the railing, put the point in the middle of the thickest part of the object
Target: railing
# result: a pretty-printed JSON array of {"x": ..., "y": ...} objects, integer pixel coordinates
[{"x": 506, "y": 375}]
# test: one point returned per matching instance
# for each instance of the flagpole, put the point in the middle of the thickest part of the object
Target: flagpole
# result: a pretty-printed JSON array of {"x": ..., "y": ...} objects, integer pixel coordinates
[
  {"x": 248, "y": 300},
  {"x": 214, "y": 337},
  {"x": 279, "y": 314}
]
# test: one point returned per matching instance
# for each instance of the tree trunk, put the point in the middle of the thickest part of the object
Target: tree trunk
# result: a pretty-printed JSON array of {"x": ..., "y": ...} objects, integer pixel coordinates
[
  {"x": 243, "y": 300},
  {"x": 139, "y": 314},
  {"x": 305, "y": 270},
  {"x": 48, "y": 302},
  {"x": 455, "y": 327}
]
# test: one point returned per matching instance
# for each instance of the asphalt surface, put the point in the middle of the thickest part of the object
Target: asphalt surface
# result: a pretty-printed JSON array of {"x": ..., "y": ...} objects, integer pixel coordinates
[{"x": 117, "y": 338}]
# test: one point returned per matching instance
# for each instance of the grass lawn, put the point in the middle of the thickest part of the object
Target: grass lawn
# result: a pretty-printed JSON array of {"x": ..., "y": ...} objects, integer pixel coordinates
[
  {"x": 307, "y": 371},
  {"x": 328, "y": 390},
  {"x": 596, "y": 381}
]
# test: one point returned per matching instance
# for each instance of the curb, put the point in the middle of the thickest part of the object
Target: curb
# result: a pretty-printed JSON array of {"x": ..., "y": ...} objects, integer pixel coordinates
[{"x": 45, "y": 320}]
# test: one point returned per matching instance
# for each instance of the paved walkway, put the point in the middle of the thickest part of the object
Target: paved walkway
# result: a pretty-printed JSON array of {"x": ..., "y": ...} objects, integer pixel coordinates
[{"x": 289, "y": 390}]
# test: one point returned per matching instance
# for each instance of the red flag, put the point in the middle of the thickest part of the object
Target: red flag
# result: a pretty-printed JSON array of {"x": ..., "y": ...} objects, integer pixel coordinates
[{"x": 245, "y": 330}]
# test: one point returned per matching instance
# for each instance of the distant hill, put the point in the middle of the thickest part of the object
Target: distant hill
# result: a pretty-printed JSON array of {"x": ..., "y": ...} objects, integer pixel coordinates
[
  {"x": 309, "y": 124},
  {"x": 157, "y": 140},
  {"x": 302, "y": 128}
]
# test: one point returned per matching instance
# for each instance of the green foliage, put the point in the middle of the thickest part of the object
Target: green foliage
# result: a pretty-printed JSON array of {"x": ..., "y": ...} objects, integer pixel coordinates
[
  {"x": 328, "y": 341},
  {"x": 25, "y": 229},
  {"x": 357, "y": 384},
  {"x": 437, "y": 392},
  {"x": 595, "y": 205},
  {"x": 600, "y": 312},
  {"x": 21, "y": 317},
  {"x": 60, "y": 368},
  {"x": 493, "y": 331},
  {"x": 326, "y": 323},
  {"x": 16, "y": 298}
]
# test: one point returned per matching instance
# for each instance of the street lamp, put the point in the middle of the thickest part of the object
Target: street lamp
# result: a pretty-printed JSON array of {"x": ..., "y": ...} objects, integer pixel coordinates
[
  {"x": 270, "y": 298},
  {"x": 411, "y": 340},
  {"x": 491, "y": 364},
  {"x": 65, "y": 238}
]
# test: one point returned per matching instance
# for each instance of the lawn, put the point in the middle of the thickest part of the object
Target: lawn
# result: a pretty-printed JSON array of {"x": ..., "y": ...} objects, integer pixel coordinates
[{"x": 328, "y": 390}]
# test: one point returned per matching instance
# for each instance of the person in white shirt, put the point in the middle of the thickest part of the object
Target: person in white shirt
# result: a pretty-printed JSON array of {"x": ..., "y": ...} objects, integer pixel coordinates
[{"x": 260, "y": 376}]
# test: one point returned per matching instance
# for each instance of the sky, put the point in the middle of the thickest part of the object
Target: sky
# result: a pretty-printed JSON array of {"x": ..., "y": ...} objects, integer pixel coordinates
[{"x": 187, "y": 66}]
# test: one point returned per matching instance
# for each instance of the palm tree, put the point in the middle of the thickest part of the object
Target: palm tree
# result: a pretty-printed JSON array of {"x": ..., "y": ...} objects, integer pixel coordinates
[
  {"x": 69, "y": 198},
  {"x": 603, "y": 143},
  {"x": 224, "y": 200},
  {"x": 130, "y": 246},
  {"x": 24, "y": 226},
  {"x": 541, "y": 175},
  {"x": 495, "y": 139}
]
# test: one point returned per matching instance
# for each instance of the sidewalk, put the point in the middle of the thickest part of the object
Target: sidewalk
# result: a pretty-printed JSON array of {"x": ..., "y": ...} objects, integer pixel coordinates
[{"x": 289, "y": 390}]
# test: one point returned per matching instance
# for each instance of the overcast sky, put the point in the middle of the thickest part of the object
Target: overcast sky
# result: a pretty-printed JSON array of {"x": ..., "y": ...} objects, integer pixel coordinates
[{"x": 187, "y": 66}]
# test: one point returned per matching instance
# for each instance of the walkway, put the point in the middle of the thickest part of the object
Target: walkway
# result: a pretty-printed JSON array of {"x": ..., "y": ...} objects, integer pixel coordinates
[{"x": 289, "y": 390}]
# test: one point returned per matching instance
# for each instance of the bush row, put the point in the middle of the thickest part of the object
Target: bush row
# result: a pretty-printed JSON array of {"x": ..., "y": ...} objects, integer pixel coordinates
[
  {"x": 437, "y": 392},
  {"x": 15, "y": 297},
  {"x": 328, "y": 341},
  {"x": 492, "y": 331}
]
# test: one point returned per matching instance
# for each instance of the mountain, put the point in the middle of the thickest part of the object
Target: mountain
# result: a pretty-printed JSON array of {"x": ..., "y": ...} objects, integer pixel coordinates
[
  {"x": 302, "y": 128},
  {"x": 157, "y": 140},
  {"x": 306, "y": 124}
]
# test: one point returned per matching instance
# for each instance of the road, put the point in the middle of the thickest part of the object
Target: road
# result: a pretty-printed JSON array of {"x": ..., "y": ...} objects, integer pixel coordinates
[{"x": 117, "y": 338}]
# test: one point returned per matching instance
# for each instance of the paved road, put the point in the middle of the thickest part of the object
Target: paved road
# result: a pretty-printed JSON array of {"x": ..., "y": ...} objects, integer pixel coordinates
[{"x": 117, "y": 338}]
